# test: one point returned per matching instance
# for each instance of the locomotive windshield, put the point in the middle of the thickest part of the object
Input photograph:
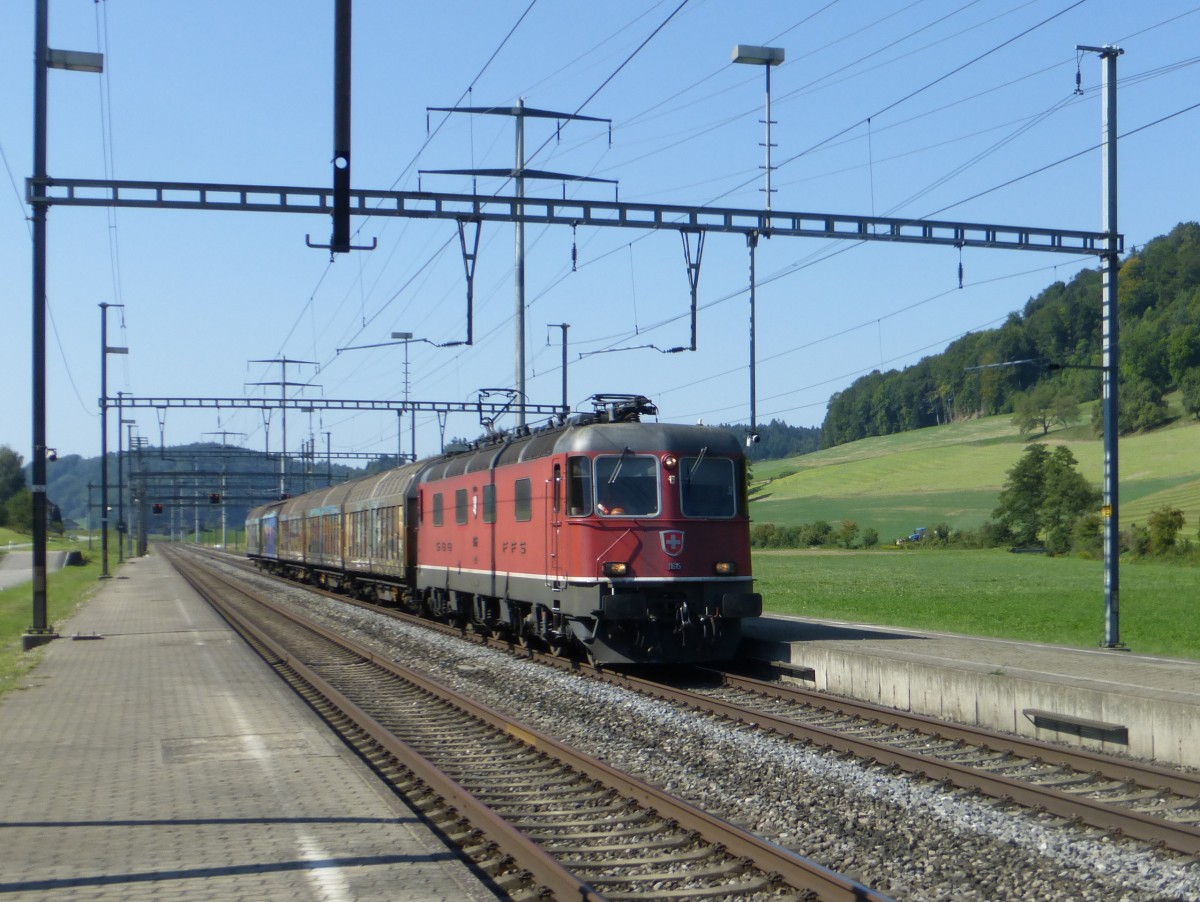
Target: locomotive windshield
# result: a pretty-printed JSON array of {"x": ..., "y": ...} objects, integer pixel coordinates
[
  {"x": 708, "y": 487},
  {"x": 627, "y": 485}
]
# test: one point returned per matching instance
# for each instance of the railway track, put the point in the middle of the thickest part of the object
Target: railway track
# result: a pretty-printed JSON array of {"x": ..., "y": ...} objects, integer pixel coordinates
[
  {"x": 1125, "y": 797},
  {"x": 539, "y": 816}
]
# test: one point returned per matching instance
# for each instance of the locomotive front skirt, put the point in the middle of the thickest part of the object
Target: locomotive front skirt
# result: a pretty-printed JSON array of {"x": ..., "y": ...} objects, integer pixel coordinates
[{"x": 628, "y": 540}]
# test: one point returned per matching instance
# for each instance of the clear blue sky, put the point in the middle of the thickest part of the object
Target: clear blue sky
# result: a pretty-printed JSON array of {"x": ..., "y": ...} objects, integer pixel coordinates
[{"x": 890, "y": 107}]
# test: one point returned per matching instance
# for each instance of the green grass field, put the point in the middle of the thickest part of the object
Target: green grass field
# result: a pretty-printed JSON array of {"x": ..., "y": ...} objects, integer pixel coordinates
[
  {"x": 66, "y": 589},
  {"x": 986, "y": 593},
  {"x": 953, "y": 474}
]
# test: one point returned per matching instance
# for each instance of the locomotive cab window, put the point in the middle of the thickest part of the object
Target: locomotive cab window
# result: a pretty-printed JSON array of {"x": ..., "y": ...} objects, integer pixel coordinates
[
  {"x": 707, "y": 487},
  {"x": 460, "y": 506},
  {"x": 579, "y": 486},
  {"x": 438, "y": 510},
  {"x": 627, "y": 485}
]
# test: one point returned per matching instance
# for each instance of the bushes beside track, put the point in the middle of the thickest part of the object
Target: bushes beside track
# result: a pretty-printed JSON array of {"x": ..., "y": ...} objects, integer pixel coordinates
[{"x": 1159, "y": 539}]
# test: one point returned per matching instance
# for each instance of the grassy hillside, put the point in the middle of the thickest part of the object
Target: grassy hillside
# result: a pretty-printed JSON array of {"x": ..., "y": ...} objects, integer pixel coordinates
[{"x": 953, "y": 473}]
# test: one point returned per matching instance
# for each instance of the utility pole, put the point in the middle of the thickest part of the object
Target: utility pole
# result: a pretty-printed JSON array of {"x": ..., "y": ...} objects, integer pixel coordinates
[
  {"x": 518, "y": 174},
  {"x": 104, "y": 352},
  {"x": 1109, "y": 347},
  {"x": 566, "y": 403},
  {"x": 124, "y": 533},
  {"x": 224, "y": 443},
  {"x": 283, "y": 387}
]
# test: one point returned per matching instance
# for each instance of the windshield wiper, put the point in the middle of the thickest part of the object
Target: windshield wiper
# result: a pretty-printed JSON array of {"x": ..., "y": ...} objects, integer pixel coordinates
[
  {"x": 696, "y": 465},
  {"x": 617, "y": 468}
]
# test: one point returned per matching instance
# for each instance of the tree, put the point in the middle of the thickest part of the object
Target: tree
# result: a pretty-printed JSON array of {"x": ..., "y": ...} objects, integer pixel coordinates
[
  {"x": 1189, "y": 387},
  {"x": 1044, "y": 495},
  {"x": 19, "y": 511},
  {"x": 1164, "y": 524},
  {"x": 1020, "y": 502},
  {"x": 845, "y": 534},
  {"x": 1047, "y": 404},
  {"x": 12, "y": 477},
  {"x": 1140, "y": 405},
  {"x": 1067, "y": 497}
]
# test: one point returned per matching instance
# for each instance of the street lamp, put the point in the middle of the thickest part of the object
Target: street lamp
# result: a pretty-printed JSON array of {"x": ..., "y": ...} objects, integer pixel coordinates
[
  {"x": 767, "y": 57},
  {"x": 44, "y": 58}
]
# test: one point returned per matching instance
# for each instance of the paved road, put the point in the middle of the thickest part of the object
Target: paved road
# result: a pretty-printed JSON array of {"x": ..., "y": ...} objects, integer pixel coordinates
[{"x": 16, "y": 567}]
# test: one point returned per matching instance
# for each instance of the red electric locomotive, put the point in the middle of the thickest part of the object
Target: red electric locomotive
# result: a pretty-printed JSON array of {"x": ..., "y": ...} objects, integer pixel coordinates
[{"x": 627, "y": 539}]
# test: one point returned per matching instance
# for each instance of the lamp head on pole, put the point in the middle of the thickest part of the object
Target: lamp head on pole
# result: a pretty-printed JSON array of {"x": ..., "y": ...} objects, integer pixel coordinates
[{"x": 761, "y": 56}]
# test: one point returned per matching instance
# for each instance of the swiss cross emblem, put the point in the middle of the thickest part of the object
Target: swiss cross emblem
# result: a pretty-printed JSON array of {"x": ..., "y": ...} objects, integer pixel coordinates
[{"x": 672, "y": 541}]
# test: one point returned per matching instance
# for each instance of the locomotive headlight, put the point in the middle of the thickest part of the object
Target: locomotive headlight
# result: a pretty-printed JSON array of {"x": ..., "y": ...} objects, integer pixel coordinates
[
  {"x": 725, "y": 568},
  {"x": 615, "y": 568},
  {"x": 670, "y": 462}
]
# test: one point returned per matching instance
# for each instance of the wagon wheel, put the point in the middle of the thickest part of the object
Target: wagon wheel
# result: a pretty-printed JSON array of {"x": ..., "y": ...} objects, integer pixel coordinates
[{"x": 558, "y": 646}]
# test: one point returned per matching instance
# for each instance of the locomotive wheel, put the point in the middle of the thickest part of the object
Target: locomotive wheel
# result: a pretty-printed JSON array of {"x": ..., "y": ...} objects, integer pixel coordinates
[{"x": 558, "y": 646}]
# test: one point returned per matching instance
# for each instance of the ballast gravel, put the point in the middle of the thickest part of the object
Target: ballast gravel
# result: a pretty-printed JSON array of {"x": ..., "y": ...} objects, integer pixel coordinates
[{"x": 908, "y": 838}]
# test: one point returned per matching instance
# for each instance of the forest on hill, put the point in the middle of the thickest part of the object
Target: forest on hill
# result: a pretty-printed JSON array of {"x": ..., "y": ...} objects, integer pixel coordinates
[{"x": 1158, "y": 295}]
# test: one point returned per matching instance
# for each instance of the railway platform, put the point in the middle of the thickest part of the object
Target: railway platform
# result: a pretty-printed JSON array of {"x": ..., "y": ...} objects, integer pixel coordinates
[
  {"x": 154, "y": 755},
  {"x": 1115, "y": 701}
]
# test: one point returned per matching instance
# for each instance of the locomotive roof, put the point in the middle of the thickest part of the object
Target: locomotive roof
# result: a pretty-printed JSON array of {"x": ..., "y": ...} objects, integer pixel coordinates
[
  {"x": 582, "y": 436},
  {"x": 587, "y": 437},
  {"x": 675, "y": 437}
]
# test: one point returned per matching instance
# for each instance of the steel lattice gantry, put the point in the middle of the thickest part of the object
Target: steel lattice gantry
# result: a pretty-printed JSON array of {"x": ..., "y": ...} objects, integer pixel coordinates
[{"x": 598, "y": 213}]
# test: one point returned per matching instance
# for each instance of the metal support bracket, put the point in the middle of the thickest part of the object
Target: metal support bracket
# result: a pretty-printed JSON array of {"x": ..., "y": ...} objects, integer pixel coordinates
[
  {"x": 469, "y": 258},
  {"x": 693, "y": 272}
]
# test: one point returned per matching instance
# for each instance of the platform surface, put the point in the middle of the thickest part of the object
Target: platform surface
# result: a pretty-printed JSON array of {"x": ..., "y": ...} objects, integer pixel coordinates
[{"x": 161, "y": 758}]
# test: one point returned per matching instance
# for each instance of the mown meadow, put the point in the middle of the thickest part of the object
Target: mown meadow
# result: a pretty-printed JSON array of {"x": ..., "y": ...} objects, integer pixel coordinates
[
  {"x": 992, "y": 592},
  {"x": 952, "y": 474}
]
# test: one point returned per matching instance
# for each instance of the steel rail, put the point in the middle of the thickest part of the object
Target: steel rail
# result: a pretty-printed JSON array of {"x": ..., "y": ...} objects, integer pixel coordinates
[
  {"x": 1143, "y": 774},
  {"x": 791, "y": 868},
  {"x": 1169, "y": 834},
  {"x": 1179, "y": 837},
  {"x": 527, "y": 854}
]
